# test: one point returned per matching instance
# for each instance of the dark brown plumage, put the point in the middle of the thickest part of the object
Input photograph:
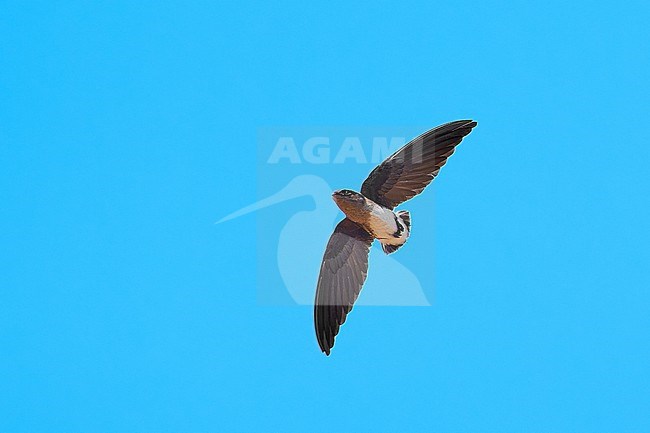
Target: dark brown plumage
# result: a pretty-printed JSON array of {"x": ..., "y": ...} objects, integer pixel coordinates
[
  {"x": 342, "y": 274},
  {"x": 400, "y": 177},
  {"x": 408, "y": 171}
]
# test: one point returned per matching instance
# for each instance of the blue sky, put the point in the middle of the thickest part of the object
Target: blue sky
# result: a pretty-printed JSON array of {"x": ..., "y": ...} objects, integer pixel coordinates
[{"x": 128, "y": 128}]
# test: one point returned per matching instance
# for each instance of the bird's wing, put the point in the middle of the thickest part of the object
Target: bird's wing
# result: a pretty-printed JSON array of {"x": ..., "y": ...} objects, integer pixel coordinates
[
  {"x": 342, "y": 273},
  {"x": 408, "y": 171}
]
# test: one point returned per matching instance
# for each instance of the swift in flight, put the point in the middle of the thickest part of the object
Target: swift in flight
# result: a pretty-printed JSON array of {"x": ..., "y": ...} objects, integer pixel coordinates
[{"x": 370, "y": 215}]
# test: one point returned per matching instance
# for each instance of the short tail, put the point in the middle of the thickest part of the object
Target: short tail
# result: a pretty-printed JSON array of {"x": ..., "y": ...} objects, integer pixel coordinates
[
  {"x": 405, "y": 216},
  {"x": 388, "y": 248}
]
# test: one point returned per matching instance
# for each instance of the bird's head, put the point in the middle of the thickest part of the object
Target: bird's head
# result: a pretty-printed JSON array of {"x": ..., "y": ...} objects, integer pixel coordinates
[
  {"x": 347, "y": 195},
  {"x": 346, "y": 199}
]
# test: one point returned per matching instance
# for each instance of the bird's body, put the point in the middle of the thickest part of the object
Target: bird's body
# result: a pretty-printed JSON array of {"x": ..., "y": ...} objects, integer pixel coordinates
[
  {"x": 370, "y": 215},
  {"x": 388, "y": 227}
]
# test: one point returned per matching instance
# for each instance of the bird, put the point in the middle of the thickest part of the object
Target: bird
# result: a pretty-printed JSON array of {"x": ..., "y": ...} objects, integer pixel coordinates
[{"x": 370, "y": 215}]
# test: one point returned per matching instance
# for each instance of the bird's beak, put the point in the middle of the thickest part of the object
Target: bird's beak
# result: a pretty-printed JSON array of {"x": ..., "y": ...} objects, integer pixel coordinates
[{"x": 338, "y": 197}]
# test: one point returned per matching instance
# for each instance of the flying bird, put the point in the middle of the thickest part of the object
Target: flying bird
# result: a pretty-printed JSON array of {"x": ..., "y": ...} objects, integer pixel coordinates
[{"x": 371, "y": 215}]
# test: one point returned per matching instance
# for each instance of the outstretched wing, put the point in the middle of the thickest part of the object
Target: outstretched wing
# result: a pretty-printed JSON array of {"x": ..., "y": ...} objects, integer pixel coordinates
[
  {"x": 408, "y": 171},
  {"x": 342, "y": 274}
]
